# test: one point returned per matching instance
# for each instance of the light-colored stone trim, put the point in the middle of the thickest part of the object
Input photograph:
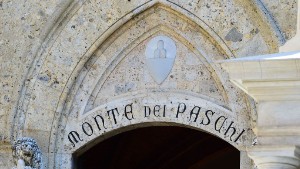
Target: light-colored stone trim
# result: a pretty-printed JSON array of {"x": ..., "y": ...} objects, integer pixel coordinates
[{"x": 275, "y": 157}]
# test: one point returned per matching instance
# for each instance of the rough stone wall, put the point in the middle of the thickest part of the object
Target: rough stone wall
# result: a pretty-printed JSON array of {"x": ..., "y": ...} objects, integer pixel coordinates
[
  {"x": 283, "y": 12},
  {"x": 23, "y": 27},
  {"x": 26, "y": 24}
]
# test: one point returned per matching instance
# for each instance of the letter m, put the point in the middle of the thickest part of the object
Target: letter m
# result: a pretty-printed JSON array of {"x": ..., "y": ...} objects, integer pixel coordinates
[{"x": 74, "y": 137}]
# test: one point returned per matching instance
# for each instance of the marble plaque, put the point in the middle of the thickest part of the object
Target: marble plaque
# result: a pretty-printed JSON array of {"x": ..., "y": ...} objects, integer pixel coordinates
[{"x": 160, "y": 56}]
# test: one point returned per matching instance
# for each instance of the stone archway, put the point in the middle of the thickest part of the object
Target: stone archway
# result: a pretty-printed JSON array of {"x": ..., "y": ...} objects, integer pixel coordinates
[
  {"x": 85, "y": 78},
  {"x": 114, "y": 89},
  {"x": 80, "y": 74},
  {"x": 153, "y": 108}
]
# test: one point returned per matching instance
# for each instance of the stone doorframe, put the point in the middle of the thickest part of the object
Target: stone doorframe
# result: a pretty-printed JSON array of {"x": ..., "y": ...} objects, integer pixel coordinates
[
  {"x": 68, "y": 68},
  {"x": 174, "y": 106},
  {"x": 154, "y": 109}
]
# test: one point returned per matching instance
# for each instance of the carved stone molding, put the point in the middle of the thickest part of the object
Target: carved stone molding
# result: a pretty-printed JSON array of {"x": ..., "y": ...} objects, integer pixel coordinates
[
  {"x": 26, "y": 154},
  {"x": 272, "y": 157}
]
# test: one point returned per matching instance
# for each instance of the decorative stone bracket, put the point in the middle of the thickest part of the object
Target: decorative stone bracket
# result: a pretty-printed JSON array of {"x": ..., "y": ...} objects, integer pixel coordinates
[{"x": 26, "y": 154}]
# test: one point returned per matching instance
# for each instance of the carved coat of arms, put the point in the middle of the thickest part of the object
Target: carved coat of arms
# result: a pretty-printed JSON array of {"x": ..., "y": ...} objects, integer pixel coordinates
[{"x": 160, "y": 56}]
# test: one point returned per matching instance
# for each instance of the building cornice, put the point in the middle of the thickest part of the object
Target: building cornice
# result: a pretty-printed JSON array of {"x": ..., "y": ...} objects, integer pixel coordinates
[{"x": 267, "y": 77}]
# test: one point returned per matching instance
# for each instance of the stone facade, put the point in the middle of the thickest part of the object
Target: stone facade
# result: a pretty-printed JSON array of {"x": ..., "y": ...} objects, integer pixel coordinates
[{"x": 74, "y": 73}]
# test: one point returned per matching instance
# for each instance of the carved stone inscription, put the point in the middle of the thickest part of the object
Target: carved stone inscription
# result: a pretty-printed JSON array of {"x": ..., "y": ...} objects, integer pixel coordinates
[{"x": 218, "y": 123}]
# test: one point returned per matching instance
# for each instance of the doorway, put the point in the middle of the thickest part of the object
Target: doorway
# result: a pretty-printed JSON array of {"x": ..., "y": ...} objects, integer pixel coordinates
[{"x": 160, "y": 148}]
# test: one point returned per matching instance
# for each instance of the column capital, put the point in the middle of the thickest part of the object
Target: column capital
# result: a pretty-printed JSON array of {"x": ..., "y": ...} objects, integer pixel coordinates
[
  {"x": 275, "y": 157},
  {"x": 272, "y": 77}
]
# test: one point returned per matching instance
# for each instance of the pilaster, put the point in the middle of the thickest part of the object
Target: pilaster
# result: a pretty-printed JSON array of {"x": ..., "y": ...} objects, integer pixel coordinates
[
  {"x": 275, "y": 157},
  {"x": 273, "y": 81}
]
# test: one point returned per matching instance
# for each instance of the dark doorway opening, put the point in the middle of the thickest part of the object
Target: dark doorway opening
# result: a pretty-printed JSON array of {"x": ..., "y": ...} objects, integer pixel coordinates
[{"x": 160, "y": 148}]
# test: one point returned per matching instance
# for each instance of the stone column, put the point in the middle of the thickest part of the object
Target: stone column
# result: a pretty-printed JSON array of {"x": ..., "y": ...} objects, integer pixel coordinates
[
  {"x": 275, "y": 157},
  {"x": 273, "y": 81}
]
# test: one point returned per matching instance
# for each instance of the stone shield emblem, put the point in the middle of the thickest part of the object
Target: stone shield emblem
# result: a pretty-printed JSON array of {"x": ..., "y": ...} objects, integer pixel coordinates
[{"x": 160, "y": 56}]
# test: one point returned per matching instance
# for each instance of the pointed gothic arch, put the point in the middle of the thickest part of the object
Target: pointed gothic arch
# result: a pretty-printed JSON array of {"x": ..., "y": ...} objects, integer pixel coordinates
[
  {"x": 68, "y": 91},
  {"x": 90, "y": 75}
]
